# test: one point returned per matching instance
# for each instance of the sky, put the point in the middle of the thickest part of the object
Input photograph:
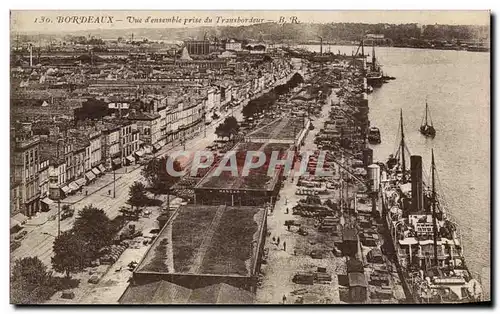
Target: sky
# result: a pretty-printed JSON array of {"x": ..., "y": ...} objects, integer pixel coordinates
[{"x": 56, "y": 21}]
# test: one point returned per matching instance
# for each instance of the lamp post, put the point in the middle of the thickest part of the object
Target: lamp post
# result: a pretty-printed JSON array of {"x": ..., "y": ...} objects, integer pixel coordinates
[
  {"x": 114, "y": 182},
  {"x": 396, "y": 228},
  {"x": 58, "y": 217}
]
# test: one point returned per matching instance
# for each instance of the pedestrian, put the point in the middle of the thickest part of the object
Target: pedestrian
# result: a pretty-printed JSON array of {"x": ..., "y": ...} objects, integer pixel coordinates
[
  {"x": 284, "y": 246},
  {"x": 286, "y": 200},
  {"x": 284, "y": 299},
  {"x": 109, "y": 192},
  {"x": 278, "y": 241},
  {"x": 274, "y": 239},
  {"x": 294, "y": 252},
  {"x": 287, "y": 210}
]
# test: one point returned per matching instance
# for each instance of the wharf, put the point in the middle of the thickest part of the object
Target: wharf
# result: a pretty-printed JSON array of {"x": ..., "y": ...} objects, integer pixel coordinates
[{"x": 336, "y": 224}]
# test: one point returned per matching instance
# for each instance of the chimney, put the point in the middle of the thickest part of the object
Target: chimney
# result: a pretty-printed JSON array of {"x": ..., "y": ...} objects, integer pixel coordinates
[
  {"x": 417, "y": 196},
  {"x": 31, "y": 56}
]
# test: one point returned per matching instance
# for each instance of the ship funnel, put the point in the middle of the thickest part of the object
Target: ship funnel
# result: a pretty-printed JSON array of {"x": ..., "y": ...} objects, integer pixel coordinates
[{"x": 417, "y": 196}]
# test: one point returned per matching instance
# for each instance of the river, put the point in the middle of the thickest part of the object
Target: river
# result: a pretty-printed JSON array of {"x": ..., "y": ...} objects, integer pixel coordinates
[{"x": 456, "y": 85}]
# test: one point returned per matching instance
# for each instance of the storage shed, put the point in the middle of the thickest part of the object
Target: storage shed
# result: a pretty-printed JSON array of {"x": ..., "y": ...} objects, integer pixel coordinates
[{"x": 357, "y": 287}]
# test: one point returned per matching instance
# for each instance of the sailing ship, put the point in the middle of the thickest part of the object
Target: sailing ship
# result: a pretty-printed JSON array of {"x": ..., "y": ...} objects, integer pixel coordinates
[
  {"x": 426, "y": 127},
  {"x": 424, "y": 241}
]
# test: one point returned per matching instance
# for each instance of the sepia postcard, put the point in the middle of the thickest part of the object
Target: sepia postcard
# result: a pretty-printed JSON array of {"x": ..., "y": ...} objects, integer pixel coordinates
[{"x": 250, "y": 157}]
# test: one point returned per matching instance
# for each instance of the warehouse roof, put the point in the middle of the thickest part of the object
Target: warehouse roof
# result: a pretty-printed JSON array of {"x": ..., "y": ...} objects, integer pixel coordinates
[{"x": 164, "y": 292}]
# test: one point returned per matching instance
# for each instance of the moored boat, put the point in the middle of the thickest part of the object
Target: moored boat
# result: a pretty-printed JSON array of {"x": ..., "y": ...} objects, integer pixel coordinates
[
  {"x": 426, "y": 244},
  {"x": 375, "y": 76},
  {"x": 374, "y": 136}
]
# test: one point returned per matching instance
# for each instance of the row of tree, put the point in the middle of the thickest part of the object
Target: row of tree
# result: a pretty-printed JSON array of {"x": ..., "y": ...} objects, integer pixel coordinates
[
  {"x": 32, "y": 283},
  {"x": 76, "y": 248},
  {"x": 159, "y": 180},
  {"x": 266, "y": 101},
  {"x": 228, "y": 128}
]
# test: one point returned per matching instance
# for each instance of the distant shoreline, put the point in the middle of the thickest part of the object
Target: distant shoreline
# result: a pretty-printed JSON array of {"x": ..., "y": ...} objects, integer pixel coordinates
[{"x": 456, "y": 48}]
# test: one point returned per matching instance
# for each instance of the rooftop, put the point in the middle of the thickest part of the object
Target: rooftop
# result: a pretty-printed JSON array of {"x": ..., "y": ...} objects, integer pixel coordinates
[
  {"x": 164, "y": 292},
  {"x": 286, "y": 128},
  {"x": 202, "y": 240},
  {"x": 257, "y": 178},
  {"x": 143, "y": 116}
]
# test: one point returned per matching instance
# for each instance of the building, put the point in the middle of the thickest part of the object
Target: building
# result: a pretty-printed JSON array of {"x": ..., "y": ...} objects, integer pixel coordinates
[
  {"x": 148, "y": 125},
  {"x": 233, "y": 45},
  {"x": 129, "y": 142},
  {"x": 259, "y": 187},
  {"x": 162, "y": 111},
  {"x": 95, "y": 148},
  {"x": 172, "y": 123},
  {"x": 43, "y": 176},
  {"x": 57, "y": 178},
  {"x": 25, "y": 162},
  {"x": 191, "y": 116},
  {"x": 197, "y": 47},
  {"x": 375, "y": 36},
  {"x": 110, "y": 144},
  {"x": 206, "y": 262},
  {"x": 79, "y": 156}
]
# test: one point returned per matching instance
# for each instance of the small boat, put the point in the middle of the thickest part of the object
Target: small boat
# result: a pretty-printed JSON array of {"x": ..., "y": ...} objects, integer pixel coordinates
[
  {"x": 374, "y": 136},
  {"x": 427, "y": 129}
]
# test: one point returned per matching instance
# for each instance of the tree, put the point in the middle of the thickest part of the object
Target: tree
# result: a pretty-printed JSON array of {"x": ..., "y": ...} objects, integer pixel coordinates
[
  {"x": 30, "y": 282},
  {"x": 159, "y": 179},
  {"x": 94, "y": 228},
  {"x": 69, "y": 253},
  {"x": 137, "y": 194},
  {"x": 228, "y": 128},
  {"x": 30, "y": 270}
]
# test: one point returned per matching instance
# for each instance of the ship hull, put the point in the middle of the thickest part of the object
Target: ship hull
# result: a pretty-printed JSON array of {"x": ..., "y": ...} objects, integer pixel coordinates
[
  {"x": 375, "y": 81},
  {"x": 410, "y": 298}
]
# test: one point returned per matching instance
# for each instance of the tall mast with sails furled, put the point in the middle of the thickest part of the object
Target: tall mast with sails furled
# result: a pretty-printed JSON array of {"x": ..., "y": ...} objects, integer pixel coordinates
[
  {"x": 434, "y": 224},
  {"x": 402, "y": 147}
]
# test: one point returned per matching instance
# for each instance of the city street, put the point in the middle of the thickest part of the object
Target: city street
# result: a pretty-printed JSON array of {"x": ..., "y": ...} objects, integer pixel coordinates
[
  {"x": 282, "y": 265},
  {"x": 39, "y": 239}
]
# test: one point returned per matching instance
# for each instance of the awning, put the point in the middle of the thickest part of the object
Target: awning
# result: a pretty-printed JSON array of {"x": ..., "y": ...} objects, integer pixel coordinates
[
  {"x": 117, "y": 161},
  {"x": 101, "y": 167},
  {"x": 47, "y": 201},
  {"x": 130, "y": 158},
  {"x": 139, "y": 153},
  {"x": 20, "y": 218},
  {"x": 157, "y": 146},
  {"x": 81, "y": 182},
  {"x": 90, "y": 176},
  {"x": 74, "y": 186},
  {"x": 96, "y": 171},
  {"x": 408, "y": 241},
  {"x": 14, "y": 223},
  {"x": 66, "y": 189}
]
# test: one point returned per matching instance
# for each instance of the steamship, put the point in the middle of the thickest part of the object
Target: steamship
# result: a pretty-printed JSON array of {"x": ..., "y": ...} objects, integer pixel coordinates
[
  {"x": 375, "y": 76},
  {"x": 424, "y": 241}
]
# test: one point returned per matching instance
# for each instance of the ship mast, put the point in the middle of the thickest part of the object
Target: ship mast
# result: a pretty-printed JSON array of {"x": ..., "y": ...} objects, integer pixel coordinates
[
  {"x": 374, "y": 59},
  {"x": 362, "y": 48},
  {"x": 434, "y": 225},
  {"x": 426, "y": 110},
  {"x": 402, "y": 147}
]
